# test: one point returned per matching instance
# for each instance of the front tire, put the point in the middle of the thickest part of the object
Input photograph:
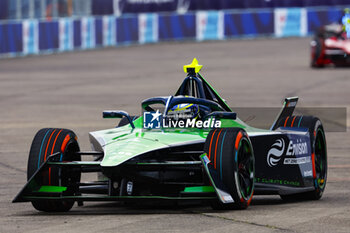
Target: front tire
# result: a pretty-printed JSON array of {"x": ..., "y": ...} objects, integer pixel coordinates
[
  {"x": 316, "y": 52},
  {"x": 48, "y": 141},
  {"x": 231, "y": 154}
]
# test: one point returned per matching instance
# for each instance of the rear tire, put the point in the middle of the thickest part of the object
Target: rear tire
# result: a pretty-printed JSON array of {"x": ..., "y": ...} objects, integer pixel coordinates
[
  {"x": 231, "y": 155},
  {"x": 48, "y": 141},
  {"x": 319, "y": 154}
]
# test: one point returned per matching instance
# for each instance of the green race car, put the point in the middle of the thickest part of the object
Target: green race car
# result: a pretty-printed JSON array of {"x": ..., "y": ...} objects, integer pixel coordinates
[{"x": 188, "y": 146}]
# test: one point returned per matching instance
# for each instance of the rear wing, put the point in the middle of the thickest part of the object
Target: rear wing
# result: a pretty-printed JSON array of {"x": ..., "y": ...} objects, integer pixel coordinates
[{"x": 287, "y": 110}]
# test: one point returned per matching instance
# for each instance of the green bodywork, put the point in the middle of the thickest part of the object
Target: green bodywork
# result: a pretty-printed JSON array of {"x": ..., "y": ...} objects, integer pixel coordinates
[
  {"x": 124, "y": 143},
  {"x": 121, "y": 144},
  {"x": 199, "y": 189},
  {"x": 52, "y": 189}
]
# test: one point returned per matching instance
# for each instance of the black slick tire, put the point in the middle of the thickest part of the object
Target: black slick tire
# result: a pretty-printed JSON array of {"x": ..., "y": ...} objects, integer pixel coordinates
[
  {"x": 318, "y": 154},
  {"x": 48, "y": 141},
  {"x": 231, "y": 154}
]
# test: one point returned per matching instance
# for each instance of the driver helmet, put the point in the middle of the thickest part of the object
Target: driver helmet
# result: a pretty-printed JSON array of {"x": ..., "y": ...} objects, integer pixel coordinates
[
  {"x": 184, "y": 111},
  {"x": 346, "y": 20}
]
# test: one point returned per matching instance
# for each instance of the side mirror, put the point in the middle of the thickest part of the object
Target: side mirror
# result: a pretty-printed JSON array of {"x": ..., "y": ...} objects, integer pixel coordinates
[
  {"x": 118, "y": 114},
  {"x": 224, "y": 115}
]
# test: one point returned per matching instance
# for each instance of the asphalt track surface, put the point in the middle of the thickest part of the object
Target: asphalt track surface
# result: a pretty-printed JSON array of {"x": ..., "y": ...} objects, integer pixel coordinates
[{"x": 71, "y": 90}]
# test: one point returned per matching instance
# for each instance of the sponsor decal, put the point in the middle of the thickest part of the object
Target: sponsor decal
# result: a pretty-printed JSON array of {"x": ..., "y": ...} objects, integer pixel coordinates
[
  {"x": 205, "y": 159},
  {"x": 276, "y": 181},
  {"x": 275, "y": 153},
  {"x": 129, "y": 188},
  {"x": 155, "y": 120},
  {"x": 299, "y": 148},
  {"x": 227, "y": 198},
  {"x": 301, "y": 160},
  {"x": 279, "y": 148},
  {"x": 292, "y": 104}
]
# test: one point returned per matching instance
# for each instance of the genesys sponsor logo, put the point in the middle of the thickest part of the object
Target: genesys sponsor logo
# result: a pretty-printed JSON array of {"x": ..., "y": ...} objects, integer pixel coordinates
[
  {"x": 155, "y": 120},
  {"x": 279, "y": 149}
]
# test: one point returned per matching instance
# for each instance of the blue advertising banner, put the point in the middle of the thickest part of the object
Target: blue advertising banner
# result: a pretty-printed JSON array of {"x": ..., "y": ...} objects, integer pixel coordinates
[
  {"x": 210, "y": 25},
  {"x": 249, "y": 24},
  {"x": 148, "y": 28},
  {"x": 127, "y": 30},
  {"x": 318, "y": 18},
  {"x": 66, "y": 34},
  {"x": 98, "y": 31},
  {"x": 290, "y": 22},
  {"x": 48, "y": 35},
  {"x": 30, "y": 37},
  {"x": 177, "y": 27},
  {"x": 88, "y": 33},
  {"x": 11, "y": 38},
  {"x": 109, "y": 30},
  {"x": 76, "y": 33}
]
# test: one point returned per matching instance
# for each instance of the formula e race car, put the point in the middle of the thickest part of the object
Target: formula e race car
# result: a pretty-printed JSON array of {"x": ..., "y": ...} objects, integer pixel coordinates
[
  {"x": 187, "y": 146},
  {"x": 330, "y": 45}
]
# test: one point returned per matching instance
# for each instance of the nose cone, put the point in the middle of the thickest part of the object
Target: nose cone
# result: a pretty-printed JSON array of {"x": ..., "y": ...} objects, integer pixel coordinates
[{"x": 138, "y": 142}]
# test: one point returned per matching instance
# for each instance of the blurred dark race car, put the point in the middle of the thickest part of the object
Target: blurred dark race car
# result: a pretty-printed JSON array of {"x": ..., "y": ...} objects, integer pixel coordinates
[{"x": 331, "y": 44}]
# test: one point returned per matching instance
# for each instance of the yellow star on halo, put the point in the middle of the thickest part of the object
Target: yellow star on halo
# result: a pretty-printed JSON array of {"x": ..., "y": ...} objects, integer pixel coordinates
[{"x": 194, "y": 65}]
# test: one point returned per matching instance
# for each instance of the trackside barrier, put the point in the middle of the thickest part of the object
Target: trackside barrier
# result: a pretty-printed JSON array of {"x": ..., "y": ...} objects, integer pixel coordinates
[
  {"x": 317, "y": 18},
  {"x": 177, "y": 27},
  {"x": 210, "y": 25},
  {"x": 30, "y": 37},
  {"x": 249, "y": 24},
  {"x": 290, "y": 22}
]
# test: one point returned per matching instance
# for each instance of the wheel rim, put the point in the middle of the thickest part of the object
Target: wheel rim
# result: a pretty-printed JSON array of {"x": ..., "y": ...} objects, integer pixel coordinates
[
  {"x": 245, "y": 171},
  {"x": 320, "y": 159}
]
